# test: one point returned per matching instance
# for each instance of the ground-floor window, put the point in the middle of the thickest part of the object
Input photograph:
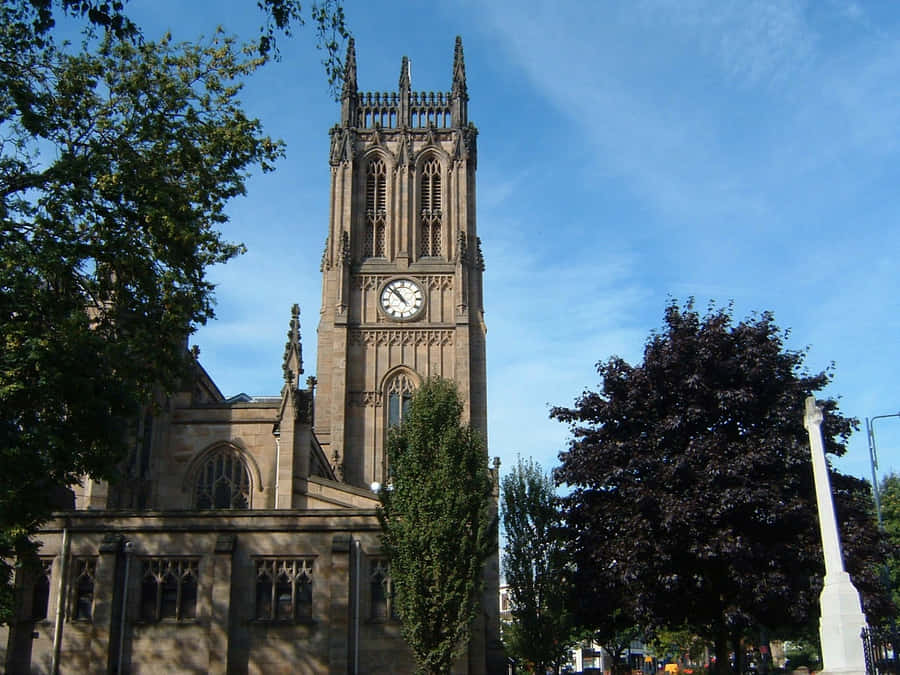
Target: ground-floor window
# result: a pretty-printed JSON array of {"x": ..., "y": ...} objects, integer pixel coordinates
[
  {"x": 381, "y": 591},
  {"x": 83, "y": 573},
  {"x": 169, "y": 589},
  {"x": 284, "y": 589},
  {"x": 40, "y": 595}
]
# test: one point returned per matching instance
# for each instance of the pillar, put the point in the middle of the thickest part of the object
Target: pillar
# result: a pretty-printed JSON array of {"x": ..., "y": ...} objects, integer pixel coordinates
[{"x": 842, "y": 619}]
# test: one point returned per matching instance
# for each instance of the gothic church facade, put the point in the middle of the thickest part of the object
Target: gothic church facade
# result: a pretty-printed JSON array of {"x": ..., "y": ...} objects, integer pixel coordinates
[{"x": 244, "y": 538}]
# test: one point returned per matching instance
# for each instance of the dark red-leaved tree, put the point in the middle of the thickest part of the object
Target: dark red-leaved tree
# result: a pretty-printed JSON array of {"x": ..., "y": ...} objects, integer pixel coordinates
[{"x": 692, "y": 482}]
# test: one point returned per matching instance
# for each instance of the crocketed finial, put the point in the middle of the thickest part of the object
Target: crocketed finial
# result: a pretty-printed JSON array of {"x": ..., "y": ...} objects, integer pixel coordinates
[
  {"x": 350, "y": 86},
  {"x": 405, "y": 80},
  {"x": 459, "y": 70},
  {"x": 293, "y": 354}
]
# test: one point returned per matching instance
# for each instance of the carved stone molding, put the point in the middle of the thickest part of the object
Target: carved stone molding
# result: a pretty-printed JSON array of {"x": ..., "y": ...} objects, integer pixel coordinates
[
  {"x": 434, "y": 282},
  {"x": 365, "y": 399},
  {"x": 343, "y": 146},
  {"x": 325, "y": 264},
  {"x": 345, "y": 248},
  {"x": 368, "y": 282},
  {"x": 479, "y": 256},
  {"x": 462, "y": 247},
  {"x": 402, "y": 336}
]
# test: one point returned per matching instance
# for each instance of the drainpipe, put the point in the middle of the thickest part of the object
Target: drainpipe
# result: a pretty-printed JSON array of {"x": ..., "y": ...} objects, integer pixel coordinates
[
  {"x": 60, "y": 602},
  {"x": 129, "y": 548},
  {"x": 356, "y": 610},
  {"x": 277, "y": 464}
]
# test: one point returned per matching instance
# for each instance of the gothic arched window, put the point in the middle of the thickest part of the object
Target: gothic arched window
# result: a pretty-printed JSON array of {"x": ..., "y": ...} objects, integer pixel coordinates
[
  {"x": 223, "y": 482},
  {"x": 430, "y": 208},
  {"x": 399, "y": 395},
  {"x": 376, "y": 209}
]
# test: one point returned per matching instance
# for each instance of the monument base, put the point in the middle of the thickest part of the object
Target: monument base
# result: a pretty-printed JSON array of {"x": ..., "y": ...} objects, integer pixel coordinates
[{"x": 840, "y": 625}]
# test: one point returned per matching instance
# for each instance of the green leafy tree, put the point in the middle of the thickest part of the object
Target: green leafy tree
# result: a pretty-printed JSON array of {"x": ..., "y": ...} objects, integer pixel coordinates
[
  {"x": 615, "y": 630},
  {"x": 536, "y": 568},
  {"x": 30, "y": 23},
  {"x": 117, "y": 159},
  {"x": 691, "y": 480},
  {"x": 439, "y": 524},
  {"x": 679, "y": 644},
  {"x": 890, "y": 514}
]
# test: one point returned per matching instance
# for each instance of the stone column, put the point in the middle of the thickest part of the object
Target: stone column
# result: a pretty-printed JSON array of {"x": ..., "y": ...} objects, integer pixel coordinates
[
  {"x": 842, "y": 618},
  {"x": 220, "y": 606},
  {"x": 284, "y": 444},
  {"x": 107, "y": 604},
  {"x": 339, "y": 605}
]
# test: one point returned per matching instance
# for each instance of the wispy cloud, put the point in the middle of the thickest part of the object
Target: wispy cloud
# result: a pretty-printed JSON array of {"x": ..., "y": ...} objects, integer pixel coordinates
[
  {"x": 711, "y": 110},
  {"x": 755, "y": 143},
  {"x": 753, "y": 43}
]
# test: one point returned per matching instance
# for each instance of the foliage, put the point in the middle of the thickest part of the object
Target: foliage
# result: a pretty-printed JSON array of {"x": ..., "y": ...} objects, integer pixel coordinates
[
  {"x": 602, "y": 602},
  {"x": 536, "y": 569},
  {"x": 117, "y": 159},
  {"x": 32, "y": 20},
  {"x": 614, "y": 630},
  {"x": 889, "y": 493},
  {"x": 679, "y": 643},
  {"x": 802, "y": 653},
  {"x": 692, "y": 484},
  {"x": 865, "y": 547},
  {"x": 438, "y": 522}
]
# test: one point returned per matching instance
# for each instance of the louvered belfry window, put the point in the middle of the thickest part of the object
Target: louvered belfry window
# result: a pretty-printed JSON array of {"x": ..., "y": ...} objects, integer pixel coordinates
[
  {"x": 430, "y": 208},
  {"x": 376, "y": 209}
]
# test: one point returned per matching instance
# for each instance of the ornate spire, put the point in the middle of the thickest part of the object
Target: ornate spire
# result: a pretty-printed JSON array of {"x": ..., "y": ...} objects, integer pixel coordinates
[
  {"x": 404, "y": 74},
  {"x": 405, "y": 84},
  {"x": 293, "y": 355},
  {"x": 350, "y": 71},
  {"x": 459, "y": 94},
  {"x": 459, "y": 71},
  {"x": 349, "y": 94}
]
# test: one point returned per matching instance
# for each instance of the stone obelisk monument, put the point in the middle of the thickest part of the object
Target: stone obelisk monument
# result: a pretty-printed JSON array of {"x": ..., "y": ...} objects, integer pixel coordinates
[{"x": 842, "y": 618}]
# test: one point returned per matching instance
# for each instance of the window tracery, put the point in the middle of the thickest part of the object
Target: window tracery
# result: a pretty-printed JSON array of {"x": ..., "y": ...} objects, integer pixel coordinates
[
  {"x": 430, "y": 208},
  {"x": 169, "y": 589},
  {"x": 223, "y": 482},
  {"x": 284, "y": 589},
  {"x": 381, "y": 591},
  {"x": 399, "y": 395},
  {"x": 376, "y": 209},
  {"x": 83, "y": 588}
]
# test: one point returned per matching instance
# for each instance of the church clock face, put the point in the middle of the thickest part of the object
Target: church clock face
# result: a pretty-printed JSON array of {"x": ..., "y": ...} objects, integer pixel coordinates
[{"x": 402, "y": 299}]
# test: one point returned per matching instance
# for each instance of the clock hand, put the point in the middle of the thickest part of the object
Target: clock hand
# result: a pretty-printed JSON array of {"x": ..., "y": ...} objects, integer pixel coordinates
[{"x": 397, "y": 293}]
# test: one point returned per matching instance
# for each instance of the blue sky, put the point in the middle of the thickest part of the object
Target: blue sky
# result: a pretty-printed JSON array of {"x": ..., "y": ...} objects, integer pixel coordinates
[{"x": 727, "y": 150}]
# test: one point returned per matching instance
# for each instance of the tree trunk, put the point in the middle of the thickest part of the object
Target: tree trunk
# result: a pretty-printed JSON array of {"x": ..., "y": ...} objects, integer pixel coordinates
[
  {"x": 765, "y": 651},
  {"x": 740, "y": 657},
  {"x": 723, "y": 667}
]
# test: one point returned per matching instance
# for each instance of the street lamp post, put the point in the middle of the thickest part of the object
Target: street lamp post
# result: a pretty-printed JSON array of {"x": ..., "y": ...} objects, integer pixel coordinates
[
  {"x": 873, "y": 460},
  {"x": 885, "y": 570}
]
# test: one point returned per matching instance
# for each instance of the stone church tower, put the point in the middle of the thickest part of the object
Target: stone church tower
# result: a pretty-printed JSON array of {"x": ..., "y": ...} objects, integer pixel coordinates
[
  {"x": 402, "y": 268},
  {"x": 243, "y": 535}
]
